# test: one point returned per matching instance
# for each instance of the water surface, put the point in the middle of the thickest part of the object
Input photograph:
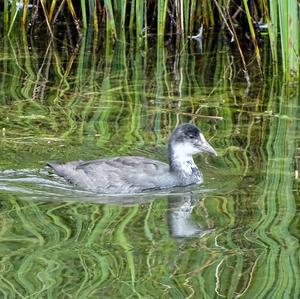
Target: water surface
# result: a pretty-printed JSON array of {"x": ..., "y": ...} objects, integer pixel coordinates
[{"x": 235, "y": 236}]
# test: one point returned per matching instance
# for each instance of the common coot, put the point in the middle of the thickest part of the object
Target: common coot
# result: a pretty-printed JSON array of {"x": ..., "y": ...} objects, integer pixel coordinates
[{"x": 133, "y": 174}]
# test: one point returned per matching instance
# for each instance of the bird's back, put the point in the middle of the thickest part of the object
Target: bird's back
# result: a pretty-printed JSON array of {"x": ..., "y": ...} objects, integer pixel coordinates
[{"x": 117, "y": 175}]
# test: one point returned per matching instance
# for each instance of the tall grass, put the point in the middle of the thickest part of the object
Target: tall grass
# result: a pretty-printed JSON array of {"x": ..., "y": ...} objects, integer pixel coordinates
[
  {"x": 162, "y": 17},
  {"x": 284, "y": 26}
]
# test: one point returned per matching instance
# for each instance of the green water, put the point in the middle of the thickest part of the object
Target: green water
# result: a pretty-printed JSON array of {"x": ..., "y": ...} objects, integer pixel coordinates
[{"x": 236, "y": 236}]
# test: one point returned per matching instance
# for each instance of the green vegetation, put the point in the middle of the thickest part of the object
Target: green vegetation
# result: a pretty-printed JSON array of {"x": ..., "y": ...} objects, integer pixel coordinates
[
  {"x": 243, "y": 20},
  {"x": 99, "y": 84}
]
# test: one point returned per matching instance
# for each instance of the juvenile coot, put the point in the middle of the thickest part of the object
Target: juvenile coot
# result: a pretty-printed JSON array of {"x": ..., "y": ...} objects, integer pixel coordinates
[{"x": 123, "y": 175}]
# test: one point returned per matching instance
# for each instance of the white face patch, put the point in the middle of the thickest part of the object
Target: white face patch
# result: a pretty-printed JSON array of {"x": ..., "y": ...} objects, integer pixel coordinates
[{"x": 185, "y": 150}]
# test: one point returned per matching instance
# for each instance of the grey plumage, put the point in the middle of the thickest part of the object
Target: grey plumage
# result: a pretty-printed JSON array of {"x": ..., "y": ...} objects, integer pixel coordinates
[{"x": 132, "y": 174}]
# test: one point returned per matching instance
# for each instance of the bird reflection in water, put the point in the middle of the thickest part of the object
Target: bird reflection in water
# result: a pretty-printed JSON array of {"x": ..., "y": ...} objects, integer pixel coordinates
[{"x": 181, "y": 222}]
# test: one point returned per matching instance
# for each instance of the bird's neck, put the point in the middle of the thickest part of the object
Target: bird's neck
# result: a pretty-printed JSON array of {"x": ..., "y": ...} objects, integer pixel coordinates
[{"x": 182, "y": 163}]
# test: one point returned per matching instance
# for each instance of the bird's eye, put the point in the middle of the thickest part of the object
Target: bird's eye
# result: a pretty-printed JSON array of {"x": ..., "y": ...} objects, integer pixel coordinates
[{"x": 191, "y": 136}]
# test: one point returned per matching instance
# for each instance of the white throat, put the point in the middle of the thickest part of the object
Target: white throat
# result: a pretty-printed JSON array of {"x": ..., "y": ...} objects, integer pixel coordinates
[
  {"x": 183, "y": 158},
  {"x": 181, "y": 161}
]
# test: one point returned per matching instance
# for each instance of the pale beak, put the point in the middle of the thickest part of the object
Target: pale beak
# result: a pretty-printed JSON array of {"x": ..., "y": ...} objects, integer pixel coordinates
[{"x": 206, "y": 147}]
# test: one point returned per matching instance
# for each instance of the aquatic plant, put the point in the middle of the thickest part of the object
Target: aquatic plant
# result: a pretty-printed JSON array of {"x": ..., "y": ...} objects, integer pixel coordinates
[
  {"x": 67, "y": 99},
  {"x": 243, "y": 20}
]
